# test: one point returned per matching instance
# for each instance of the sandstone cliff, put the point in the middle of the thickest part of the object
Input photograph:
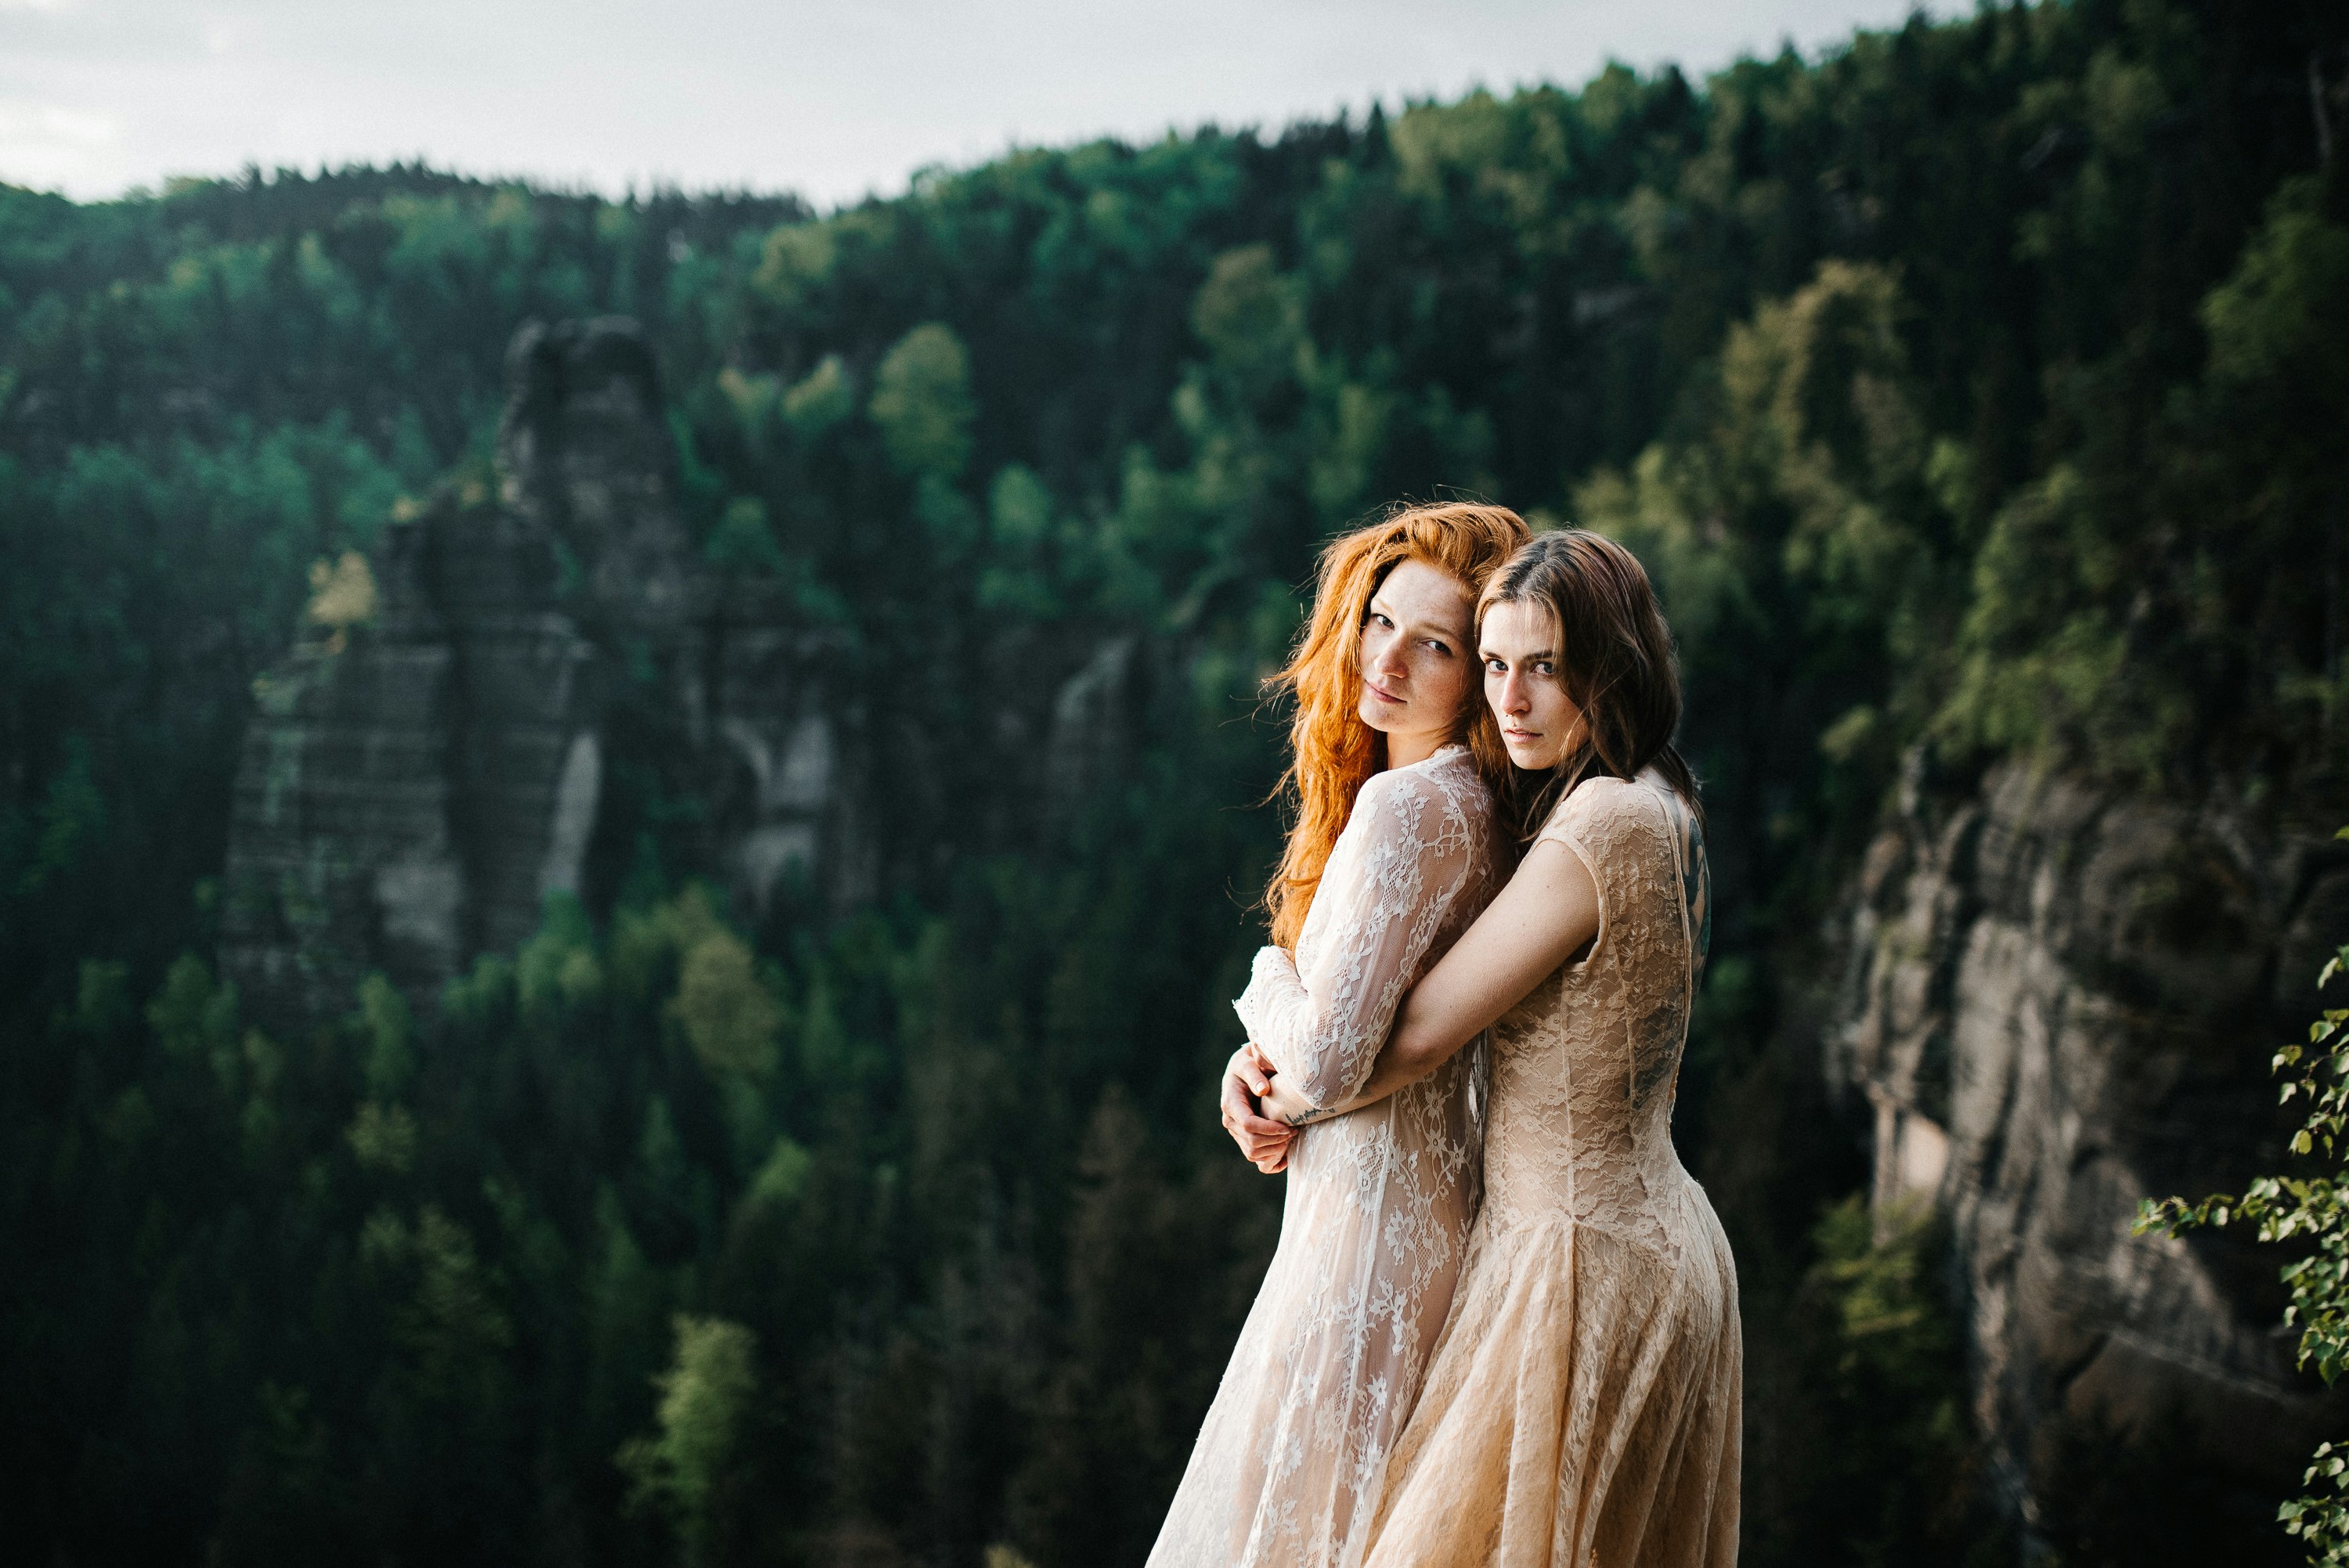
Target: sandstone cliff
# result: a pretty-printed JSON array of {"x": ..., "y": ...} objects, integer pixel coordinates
[
  {"x": 416, "y": 783},
  {"x": 2061, "y": 1000},
  {"x": 535, "y": 671}
]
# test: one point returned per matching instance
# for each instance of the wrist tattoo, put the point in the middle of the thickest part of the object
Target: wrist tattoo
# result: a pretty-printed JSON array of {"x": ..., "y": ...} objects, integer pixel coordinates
[{"x": 1310, "y": 1115}]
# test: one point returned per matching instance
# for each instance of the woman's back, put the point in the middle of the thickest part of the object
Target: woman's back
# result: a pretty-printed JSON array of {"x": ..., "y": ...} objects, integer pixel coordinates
[
  {"x": 1583, "y": 1404},
  {"x": 1584, "y": 1068}
]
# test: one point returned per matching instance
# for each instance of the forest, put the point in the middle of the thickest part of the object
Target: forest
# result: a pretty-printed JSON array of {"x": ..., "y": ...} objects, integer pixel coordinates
[{"x": 1974, "y": 391}]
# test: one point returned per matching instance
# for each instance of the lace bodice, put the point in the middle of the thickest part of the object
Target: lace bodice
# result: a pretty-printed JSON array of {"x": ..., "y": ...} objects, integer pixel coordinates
[
  {"x": 1584, "y": 1068},
  {"x": 1290, "y": 1459}
]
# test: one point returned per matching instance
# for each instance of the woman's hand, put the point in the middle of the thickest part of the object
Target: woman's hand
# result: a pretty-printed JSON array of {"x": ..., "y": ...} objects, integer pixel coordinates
[{"x": 1248, "y": 1076}]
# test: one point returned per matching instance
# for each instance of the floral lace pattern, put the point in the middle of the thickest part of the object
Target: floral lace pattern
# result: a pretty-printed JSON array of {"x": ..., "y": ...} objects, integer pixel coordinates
[
  {"x": 1294, "y": 1450},
  {"x": 1584, "y": 1404}
]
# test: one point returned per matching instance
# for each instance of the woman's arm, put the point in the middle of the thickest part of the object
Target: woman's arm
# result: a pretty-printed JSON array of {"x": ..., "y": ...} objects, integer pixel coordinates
[
  {"x": 1380, "y": 915},
  {"x": 1546, "y": 913}
]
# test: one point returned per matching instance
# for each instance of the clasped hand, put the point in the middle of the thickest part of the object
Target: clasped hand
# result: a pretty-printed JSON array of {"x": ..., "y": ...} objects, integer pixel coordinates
[{"x": 1257, "y": 1108}]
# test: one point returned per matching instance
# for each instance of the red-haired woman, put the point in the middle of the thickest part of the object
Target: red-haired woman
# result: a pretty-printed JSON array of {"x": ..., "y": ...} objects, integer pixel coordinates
[
  {"x": 1390, "y": 859},
  {"x": 1584, "y": 1404}
]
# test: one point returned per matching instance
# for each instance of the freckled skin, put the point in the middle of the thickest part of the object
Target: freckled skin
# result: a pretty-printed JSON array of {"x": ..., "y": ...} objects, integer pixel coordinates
[{"x": 1416, "y": 637}]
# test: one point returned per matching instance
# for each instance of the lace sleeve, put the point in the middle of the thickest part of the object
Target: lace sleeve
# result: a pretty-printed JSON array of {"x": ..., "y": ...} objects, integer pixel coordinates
[{"x": 1385, "y": 904}]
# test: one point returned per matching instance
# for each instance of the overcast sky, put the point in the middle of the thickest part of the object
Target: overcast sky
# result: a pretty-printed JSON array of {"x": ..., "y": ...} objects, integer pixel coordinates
[{"x": 831, "y": 100}]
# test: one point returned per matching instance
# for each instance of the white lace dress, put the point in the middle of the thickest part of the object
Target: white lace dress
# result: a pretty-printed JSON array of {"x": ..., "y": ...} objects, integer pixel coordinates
[{"x": 1290, "y": 1461}]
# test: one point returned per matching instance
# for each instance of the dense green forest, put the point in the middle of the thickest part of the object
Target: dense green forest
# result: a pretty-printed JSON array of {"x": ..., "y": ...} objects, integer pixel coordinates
[{"x": 1975, "y": 390}]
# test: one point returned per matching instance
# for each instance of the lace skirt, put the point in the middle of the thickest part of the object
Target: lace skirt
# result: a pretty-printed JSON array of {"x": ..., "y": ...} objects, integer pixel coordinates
[
  {"x": 1294, "y": 1451},
  {"x": 1584, "y": 1406}
]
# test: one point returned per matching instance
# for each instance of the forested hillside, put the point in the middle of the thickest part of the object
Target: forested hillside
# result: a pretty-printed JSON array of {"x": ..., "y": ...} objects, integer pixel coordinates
[{"x": 1976, "y": 394}]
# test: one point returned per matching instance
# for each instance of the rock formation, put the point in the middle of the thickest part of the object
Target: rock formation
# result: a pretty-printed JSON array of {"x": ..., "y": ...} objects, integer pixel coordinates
[
  {"x": 418, "y": 780},
  {"x": 2060, "y": 1001},
  {"x": 544, "y": 668}
]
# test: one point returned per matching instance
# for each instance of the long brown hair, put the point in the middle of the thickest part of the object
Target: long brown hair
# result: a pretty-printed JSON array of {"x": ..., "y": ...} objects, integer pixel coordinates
[
  {"x": 1332, "y": 751},
  {"x": 1615, "y": 658}
]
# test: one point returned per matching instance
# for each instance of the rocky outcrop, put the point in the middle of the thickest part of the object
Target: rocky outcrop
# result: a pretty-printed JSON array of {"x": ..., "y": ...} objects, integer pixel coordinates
[
  {"x": 537, "y": 671},
  {"x": 2061, "y": 1000},
  {"x": 425, "y": 770}
]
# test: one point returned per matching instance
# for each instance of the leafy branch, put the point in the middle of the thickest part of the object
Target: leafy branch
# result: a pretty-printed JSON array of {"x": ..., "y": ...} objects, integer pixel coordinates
[{"x": 2291, "y": 1208}]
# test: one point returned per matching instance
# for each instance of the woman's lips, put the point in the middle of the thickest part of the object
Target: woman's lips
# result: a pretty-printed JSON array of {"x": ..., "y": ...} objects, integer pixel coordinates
[
  {"x": 1520, "y": 735},
  {"x": 1381, "y": 692}
]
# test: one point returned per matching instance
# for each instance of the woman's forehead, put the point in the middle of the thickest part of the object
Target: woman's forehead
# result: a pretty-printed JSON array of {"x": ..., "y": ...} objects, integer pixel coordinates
[
  {"x": 1518, "y": 623},
  {"x": 1416, "y": 588}
]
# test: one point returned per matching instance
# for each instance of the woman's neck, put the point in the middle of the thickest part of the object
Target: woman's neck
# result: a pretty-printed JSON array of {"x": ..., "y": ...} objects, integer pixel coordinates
[{"x": 1403, "y": 751}]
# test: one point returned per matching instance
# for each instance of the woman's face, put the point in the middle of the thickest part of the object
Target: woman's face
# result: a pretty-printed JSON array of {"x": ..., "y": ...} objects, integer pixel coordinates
[
  {"x": 1539, "y": 723},
  {"x": 1415, "y": 664}
]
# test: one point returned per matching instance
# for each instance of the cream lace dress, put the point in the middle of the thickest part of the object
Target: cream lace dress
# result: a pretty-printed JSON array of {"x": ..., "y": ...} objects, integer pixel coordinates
[
  {"x": 1583, "y": 1408},
  {"x": 1290, "y": 1461}
]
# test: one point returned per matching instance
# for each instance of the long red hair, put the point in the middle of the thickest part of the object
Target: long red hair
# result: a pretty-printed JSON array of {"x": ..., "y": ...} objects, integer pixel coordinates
[{"x": 1332, "y": 751}]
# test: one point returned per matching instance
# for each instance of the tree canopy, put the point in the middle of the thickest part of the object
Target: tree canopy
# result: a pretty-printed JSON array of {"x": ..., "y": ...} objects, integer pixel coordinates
[{"x": 1974, "y": 391}]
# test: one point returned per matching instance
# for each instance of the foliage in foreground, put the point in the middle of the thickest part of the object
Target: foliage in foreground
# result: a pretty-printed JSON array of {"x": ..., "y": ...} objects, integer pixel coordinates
[{"x": 2314, "y": 1212}]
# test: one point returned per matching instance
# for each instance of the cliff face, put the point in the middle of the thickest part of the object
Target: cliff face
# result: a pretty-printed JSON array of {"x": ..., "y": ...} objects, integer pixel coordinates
[
  {"x": 531, "y": 679},
  {"x": 2061, "y": 1001},
  {"x": 416, "y": 783}
]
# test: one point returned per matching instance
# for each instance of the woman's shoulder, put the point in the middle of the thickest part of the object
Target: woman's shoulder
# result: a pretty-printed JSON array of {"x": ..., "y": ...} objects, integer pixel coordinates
[
  {"x": 1447, "y": 782},
  {"x": 1596, "y": 804},
  {"x": 1451, "y": 775}
]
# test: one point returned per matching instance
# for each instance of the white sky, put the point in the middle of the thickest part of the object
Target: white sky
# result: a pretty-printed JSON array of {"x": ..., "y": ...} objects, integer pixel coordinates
[{"x": 830, "y": 100}]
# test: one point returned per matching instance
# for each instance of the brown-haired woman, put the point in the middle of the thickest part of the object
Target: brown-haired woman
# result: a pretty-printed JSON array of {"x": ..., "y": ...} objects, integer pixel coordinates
[
  {"x": 1389, "y": 858},
  {"x": 1583, "y": 1406}
]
